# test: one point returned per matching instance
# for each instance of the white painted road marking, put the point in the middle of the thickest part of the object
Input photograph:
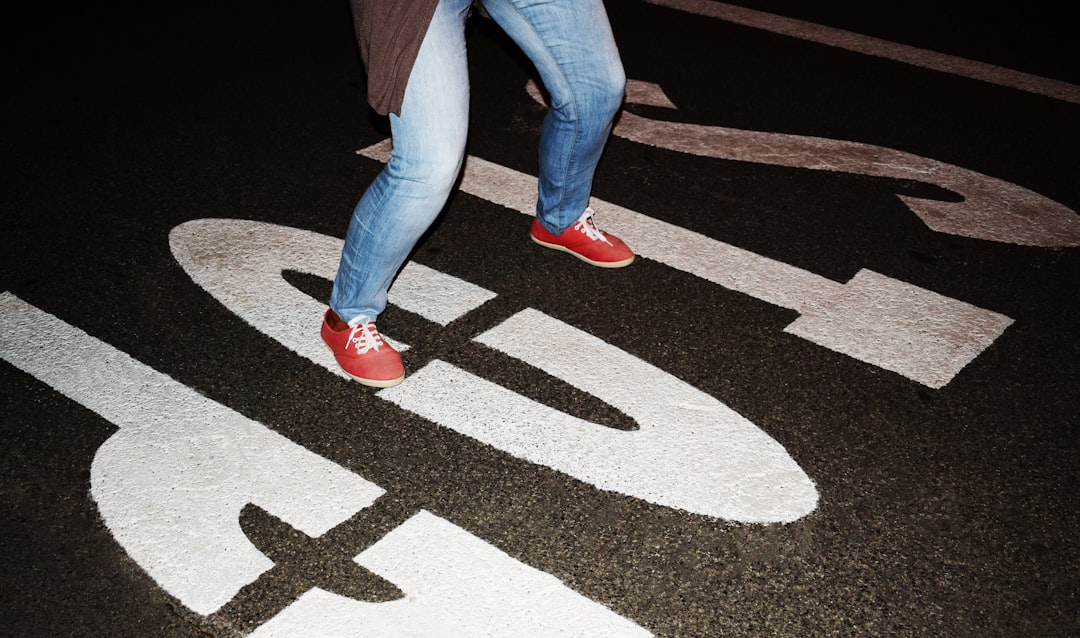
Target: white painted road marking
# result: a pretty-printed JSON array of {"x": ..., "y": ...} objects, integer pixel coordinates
[
  {"x": 171, "y": 483},
  {"x": 456, "y": 585},
  {"x": 879, "y": 48},
  {"x": 692, "y": 452},
  {"x": 992, "y": 209},
  {"x": 899, "y": 326},
  {"x": 225, "y": 256},
  {"x": 928, "y": 348}
]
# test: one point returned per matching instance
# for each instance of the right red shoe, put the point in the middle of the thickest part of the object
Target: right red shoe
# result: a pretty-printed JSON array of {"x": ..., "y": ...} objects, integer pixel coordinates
[
  {"x": 362, "y": 353},
  {"x": 586, "y": 242}
]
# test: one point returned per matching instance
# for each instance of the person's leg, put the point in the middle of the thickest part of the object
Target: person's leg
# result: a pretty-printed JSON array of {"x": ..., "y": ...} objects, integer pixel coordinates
[
  {"x": 571, "y": 45},
  {"x": 407, "y": 196}
]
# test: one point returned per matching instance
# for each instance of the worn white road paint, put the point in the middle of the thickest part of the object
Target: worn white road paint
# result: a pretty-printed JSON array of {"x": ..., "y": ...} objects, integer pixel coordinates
[
  {"x": 954, "y": 337},
  {"x": 690, "y": 452},
  {"x": 769, "y": 487},
  {"x": 171, "y": 482},
  {"x": 455, "y": 585},
  {"x": 879, "y": 48},
  {"x": 991, "y": 209}
]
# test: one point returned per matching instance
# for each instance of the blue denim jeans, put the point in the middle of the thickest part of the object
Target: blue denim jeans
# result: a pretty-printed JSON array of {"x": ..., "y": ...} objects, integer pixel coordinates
[{"x": 571, "y": 45}]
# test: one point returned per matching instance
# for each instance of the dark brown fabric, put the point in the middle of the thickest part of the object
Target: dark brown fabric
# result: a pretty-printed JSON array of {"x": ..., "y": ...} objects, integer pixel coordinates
[{"x": 390, "y": 33}]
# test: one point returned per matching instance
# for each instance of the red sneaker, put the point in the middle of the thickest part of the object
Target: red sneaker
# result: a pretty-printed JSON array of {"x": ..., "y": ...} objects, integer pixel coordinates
[
  {"x": 586, "y": 242},
  {"x": 362, "y": 353}
]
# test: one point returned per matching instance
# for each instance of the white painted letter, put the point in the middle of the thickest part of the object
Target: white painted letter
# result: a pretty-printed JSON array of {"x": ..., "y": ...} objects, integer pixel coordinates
[
  {"x": 171, "y": 483},
  {"x": 747, "y": 476},
  {"x": 455, "y": 585},
  {"x": 690, "y": 452}
]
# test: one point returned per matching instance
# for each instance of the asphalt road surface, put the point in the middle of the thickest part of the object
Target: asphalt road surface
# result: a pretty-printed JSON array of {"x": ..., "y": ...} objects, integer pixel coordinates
[{"x": 836, "y": 395}]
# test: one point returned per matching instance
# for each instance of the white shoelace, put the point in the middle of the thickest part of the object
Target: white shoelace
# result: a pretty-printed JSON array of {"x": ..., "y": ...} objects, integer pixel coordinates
[
  {"x": 365, "y": 337},
  {"x": 587, "y": 226}
]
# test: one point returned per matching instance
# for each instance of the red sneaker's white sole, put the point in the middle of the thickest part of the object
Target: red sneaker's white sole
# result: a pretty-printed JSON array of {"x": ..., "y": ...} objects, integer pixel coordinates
[
  {"x": 600, "y": 264},
  {"x": 376, "y": 383}
]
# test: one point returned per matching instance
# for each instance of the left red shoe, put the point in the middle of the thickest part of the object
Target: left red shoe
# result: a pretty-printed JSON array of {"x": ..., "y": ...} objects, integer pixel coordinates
[
  {"x": 586, "y": 242},
  {"x": 362, "y": 353}
]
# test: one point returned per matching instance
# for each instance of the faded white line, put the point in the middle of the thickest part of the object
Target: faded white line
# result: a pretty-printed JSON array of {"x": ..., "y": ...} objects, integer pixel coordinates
[
  {"x": 868, "y": 45},
  {"x": 991, "y": 209}
]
